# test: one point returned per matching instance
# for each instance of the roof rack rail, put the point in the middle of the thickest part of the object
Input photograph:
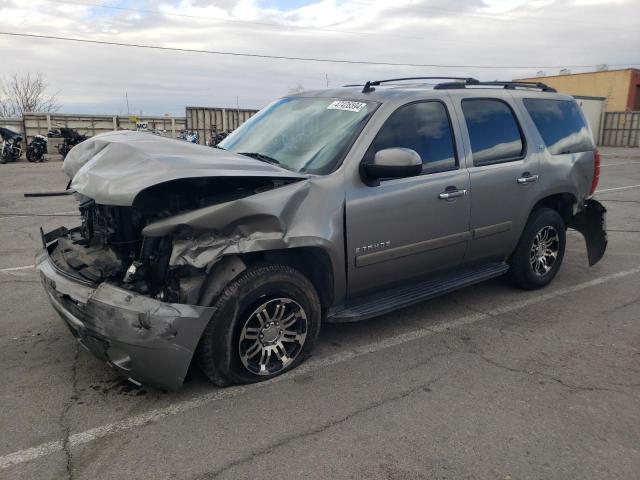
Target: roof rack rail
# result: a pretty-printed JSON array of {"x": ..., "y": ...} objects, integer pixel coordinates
[
  {"x": 496, "y": 83},
  {"x": 368, "y": 86}
]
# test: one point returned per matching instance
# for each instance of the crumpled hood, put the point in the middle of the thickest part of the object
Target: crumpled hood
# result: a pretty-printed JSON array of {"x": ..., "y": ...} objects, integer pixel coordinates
[{"x": 112, "y": 168}]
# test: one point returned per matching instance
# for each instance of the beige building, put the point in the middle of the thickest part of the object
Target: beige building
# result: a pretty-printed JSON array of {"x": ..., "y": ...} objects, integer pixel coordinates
[{"x": 621, "y": 88}]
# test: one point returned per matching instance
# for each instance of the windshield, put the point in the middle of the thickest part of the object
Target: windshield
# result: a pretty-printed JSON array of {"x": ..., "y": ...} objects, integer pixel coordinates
[{"x": 301, "y": 134}]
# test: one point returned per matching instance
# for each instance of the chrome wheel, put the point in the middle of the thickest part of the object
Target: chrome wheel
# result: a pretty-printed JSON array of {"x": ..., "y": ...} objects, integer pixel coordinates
[
  {"x": 273, "y": 336},
  {"x": 544, "y": 250}
]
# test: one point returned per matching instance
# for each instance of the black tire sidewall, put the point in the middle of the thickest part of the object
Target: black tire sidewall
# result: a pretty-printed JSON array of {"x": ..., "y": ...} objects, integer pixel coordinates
[
  {"x": 254, "y": 286},
  {"x": 522, "y": 273}
]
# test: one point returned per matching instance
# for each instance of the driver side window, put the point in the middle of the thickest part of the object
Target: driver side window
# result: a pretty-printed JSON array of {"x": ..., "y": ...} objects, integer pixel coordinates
[{"x": 423, "y": 127}]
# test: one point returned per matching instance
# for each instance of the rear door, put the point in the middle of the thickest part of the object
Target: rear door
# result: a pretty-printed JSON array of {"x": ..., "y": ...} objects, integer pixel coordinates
[
  {"x": 504, "y": 174},
  {"x": 407, "y": 227}
]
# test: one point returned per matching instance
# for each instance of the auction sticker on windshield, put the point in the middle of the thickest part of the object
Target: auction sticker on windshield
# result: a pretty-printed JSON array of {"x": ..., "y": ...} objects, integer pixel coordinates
[{"x": 346, "y": 105}]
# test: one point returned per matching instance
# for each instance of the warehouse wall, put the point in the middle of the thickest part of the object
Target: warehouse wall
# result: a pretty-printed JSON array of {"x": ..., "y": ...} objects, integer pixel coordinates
[
  {"x": 617, "y": 86},
  {"x": 210, "y": 120}
]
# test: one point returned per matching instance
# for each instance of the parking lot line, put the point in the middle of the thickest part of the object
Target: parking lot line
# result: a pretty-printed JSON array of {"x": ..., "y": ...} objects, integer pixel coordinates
[
  {"x": 5, "y": 216},
  {"x": 617, "y": 188},
  {"x": 153, "y": 416},
  {"x": 617, "y": 163},
  {"x": 11, "y": 269}
]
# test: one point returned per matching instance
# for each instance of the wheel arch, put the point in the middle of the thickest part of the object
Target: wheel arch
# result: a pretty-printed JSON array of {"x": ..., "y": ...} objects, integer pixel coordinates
[
  {"x": 564, "y": 203},
  {"x": 313, "y": 262}
]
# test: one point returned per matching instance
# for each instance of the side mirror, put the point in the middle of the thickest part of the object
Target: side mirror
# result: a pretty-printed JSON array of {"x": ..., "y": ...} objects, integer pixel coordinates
[{"x": 394, "y": 163}]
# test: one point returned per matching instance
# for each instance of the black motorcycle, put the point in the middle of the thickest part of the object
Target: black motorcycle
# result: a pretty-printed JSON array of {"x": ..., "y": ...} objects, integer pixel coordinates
[
  {"x": 216, "y": 138},
  {"x": 71, "y": 139},
  {"x": 37, "y": 148},
  {"x": 11, "y": 145}
]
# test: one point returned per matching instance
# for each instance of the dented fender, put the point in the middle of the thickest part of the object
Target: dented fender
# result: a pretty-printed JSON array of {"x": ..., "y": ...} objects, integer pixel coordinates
[{"x": 291, "y": 216}]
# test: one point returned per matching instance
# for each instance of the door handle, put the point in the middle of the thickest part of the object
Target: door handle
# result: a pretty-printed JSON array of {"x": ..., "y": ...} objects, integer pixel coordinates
[
  {"x": 449, "y": 194},
  {"x": 527, "y": 178}
]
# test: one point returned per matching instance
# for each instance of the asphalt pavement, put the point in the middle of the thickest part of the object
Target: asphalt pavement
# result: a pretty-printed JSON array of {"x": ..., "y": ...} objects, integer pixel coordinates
[{"x": 486, "y": 383}]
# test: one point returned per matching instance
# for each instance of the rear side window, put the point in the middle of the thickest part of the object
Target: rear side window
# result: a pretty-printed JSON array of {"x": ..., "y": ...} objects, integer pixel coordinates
[
  {"x": 561, "y": 125},
  {"x": 493, "y": 130},
  {"x": 423, "y": 127}
]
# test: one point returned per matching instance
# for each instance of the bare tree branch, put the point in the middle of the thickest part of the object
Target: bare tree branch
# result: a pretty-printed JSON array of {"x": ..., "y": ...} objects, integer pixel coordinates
[{"x": 26, "y": 93}]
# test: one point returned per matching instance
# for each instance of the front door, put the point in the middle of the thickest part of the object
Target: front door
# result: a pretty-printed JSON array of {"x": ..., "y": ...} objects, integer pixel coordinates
[{"x": 407, "y": 227}]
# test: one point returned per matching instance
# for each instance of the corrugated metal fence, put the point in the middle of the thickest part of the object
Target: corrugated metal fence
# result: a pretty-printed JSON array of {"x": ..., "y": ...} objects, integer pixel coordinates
[
  {"x": 40, "y": 123},
  {"x": 621, "y": 129},
  {"x": 204, "y": 120},
  {"x": 209, "y": 121}
]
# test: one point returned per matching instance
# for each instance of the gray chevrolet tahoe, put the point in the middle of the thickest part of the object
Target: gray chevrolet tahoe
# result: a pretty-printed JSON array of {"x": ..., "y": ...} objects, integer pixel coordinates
[{"x": 329, "y": 206}]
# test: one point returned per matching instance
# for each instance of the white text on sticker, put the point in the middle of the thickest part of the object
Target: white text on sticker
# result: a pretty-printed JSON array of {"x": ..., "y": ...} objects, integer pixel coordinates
[{"x": 347, "y": 105}]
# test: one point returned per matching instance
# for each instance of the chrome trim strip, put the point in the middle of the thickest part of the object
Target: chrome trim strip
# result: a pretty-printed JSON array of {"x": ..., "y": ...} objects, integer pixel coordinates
[{"x": 411, "y": 249}]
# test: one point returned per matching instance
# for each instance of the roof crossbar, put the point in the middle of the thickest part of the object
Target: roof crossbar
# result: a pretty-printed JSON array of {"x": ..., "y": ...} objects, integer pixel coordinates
[
  {"x": 496, "y": 83},
  {"x": 368, "y": 86}
]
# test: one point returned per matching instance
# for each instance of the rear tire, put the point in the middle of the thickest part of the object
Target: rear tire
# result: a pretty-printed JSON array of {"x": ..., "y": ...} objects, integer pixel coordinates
[
  {"x": 266, "y": 323},
  {"x": 540, "y": 251}
]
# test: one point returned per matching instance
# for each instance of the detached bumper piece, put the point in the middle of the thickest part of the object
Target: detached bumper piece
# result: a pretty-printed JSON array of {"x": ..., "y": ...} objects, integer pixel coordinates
[
  {"x": 591, "y": 222},
  {"x": 147, "y": 340}
]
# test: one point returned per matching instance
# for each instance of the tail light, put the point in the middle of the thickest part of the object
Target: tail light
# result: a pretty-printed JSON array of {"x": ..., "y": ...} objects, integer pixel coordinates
[{"x": 596, "y": 172}]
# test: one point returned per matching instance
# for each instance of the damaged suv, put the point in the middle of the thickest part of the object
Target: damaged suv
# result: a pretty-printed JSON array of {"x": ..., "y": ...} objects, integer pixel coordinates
[{"x": 328, "y": 206}]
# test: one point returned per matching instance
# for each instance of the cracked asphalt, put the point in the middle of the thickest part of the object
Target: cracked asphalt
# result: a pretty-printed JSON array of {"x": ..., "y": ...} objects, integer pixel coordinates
[{"x": 485, "y": 383}]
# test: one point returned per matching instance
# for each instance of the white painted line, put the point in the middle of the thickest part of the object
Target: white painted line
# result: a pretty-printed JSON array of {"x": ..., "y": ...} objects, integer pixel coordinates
[
  {"x": 54, "y": 214},
  {"x": 617, "y": 188},
  {"x": 617, "y": 163},
  {"x": 13, "y": 269},
  {"x": 153, "y": 416}
]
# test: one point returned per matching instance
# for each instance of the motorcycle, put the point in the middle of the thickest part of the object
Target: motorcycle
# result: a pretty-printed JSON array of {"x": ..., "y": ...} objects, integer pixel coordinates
[
  {"x": 216, "y": 138},
  {"x": 37, "y": 148},
  {"x": 11, "y": 145},
  {"x": 71, "y": 139},
  {"x": 189, "y": 136}
]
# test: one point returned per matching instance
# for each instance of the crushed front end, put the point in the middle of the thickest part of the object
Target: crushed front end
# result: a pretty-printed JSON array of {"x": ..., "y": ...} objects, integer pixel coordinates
[
  {"x": 119, "y": 298},
  {"x": 140, "y": 301},
  {"x": 124, "y": 295}
]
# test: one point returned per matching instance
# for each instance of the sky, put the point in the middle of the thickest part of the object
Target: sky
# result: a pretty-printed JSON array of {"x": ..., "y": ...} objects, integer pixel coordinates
[{"x": 538, "y": 35}]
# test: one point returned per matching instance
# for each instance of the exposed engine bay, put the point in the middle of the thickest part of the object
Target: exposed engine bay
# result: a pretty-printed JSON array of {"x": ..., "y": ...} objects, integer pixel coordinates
[{"x": 109, "y": 244}]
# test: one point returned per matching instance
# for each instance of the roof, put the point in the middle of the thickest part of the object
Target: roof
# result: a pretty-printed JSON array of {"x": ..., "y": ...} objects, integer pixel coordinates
[{"x": 385, "y": 92}]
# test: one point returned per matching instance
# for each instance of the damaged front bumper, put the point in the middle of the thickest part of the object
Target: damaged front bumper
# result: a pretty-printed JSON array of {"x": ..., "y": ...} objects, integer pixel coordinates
[{"x": 149, "y": 341}]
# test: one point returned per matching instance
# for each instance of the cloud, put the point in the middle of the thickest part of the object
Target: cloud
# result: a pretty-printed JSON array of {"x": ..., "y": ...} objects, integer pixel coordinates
[{"x": 94, "y": 78}]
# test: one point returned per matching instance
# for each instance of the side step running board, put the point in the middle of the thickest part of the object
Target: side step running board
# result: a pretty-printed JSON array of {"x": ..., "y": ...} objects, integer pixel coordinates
[{"x": 379, "y": 303}]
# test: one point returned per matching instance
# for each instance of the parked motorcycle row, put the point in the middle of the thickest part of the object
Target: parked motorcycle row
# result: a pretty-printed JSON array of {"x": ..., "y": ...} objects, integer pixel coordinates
[{"x": 36, "y": 150}]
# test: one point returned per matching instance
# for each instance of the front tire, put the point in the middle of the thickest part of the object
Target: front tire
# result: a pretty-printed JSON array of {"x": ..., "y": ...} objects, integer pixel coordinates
[
  {"x": 266, "y": 323},
  {"x": 540, "y": 251},
  {"x": 31, "y": 155}
]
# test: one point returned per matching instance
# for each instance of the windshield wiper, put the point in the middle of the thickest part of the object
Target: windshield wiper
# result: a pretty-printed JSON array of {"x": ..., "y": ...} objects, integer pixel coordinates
[{"x": 261, "y": 157}]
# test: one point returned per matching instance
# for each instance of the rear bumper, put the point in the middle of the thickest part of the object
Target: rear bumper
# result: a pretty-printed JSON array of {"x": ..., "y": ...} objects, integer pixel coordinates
[
  {"x": 147, "y": 340},
  {"x": 591, "y": 222}
]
